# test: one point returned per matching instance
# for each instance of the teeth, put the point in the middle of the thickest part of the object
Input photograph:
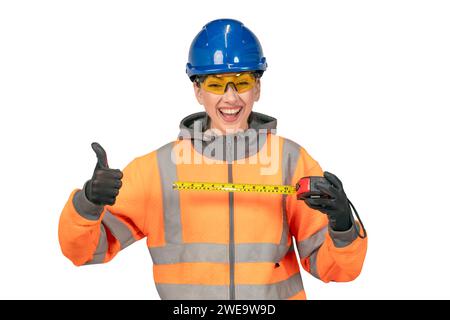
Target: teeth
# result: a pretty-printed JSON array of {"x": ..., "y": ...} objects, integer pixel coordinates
[{"x": 230, "y": 111}]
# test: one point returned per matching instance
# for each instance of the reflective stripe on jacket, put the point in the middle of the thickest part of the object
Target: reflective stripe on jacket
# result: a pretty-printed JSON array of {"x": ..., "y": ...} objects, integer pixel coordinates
[{"x": 216, "y": 245}]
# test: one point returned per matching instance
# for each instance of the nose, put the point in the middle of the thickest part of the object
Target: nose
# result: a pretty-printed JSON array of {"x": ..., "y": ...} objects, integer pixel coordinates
[{"x": 230, "y": 94}]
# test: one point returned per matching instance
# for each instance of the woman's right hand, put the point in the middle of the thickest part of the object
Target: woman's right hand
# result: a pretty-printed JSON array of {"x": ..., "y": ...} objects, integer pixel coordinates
[{"x": 103, "y": 187}]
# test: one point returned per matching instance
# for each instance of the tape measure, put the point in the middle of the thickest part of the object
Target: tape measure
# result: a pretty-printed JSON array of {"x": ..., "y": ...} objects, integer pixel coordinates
[{"x": 234, "y": 187}]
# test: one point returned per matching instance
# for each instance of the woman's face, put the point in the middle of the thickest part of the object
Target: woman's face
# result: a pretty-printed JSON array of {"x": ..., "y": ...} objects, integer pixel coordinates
[{"x": 229, "y": 112}]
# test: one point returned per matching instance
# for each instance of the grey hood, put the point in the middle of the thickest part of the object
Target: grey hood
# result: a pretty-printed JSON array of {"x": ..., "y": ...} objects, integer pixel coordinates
[
  {"x": 243, "y": 144},
  {"x": 256, "y": 121}
]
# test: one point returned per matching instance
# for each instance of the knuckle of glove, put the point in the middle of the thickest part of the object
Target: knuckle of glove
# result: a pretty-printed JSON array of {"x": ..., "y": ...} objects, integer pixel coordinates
[
  {"x": 104, "y": 190},
  {"x": 103, "y": 173},
  {"x": 105, "y": 198}
]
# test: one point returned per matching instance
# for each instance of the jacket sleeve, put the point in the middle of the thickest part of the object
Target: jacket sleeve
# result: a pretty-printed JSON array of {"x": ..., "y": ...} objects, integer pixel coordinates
[
  {"x": 327, "y": 254},
  {"x": 90, "y": 234}
]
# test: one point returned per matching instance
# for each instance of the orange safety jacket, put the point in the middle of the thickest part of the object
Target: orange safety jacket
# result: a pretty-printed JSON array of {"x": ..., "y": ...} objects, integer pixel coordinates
[{"x": 216, "y": 245}]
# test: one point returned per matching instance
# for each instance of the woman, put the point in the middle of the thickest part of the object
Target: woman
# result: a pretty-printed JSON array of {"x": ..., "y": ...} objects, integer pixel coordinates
[{"x": 218, "y": 245}]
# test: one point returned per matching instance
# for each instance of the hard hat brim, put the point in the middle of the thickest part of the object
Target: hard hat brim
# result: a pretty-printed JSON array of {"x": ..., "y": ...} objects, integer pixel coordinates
[{"x": 223, "y": 68}]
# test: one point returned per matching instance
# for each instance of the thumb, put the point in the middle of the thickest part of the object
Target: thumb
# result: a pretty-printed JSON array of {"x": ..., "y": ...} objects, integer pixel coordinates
[{"x": 102, "y": 161}]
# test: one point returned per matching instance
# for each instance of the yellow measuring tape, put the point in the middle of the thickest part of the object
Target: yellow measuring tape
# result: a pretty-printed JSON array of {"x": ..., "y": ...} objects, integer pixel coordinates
[{"x": 234, "y": 187}]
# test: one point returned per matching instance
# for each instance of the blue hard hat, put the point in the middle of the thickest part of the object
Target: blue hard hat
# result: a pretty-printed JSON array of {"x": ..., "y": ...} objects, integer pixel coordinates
[{"x": 225, "y": 45}]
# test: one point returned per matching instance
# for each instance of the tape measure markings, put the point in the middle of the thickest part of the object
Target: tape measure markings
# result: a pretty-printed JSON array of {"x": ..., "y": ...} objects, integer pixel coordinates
[{"x": 234, "y": 187}]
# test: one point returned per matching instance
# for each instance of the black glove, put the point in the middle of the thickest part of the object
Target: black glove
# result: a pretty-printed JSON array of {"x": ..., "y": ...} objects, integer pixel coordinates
[
  {"x": 105, "y": 183},
  {"x": 336, "y": 207}
]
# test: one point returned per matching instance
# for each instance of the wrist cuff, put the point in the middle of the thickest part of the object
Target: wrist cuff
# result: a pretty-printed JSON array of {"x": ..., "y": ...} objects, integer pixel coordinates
[
  {"x": 344, "y": 238},
  {"x": 84, "y": 207}
]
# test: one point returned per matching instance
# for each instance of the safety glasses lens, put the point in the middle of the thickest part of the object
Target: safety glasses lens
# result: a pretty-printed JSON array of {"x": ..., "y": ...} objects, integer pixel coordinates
[{"x": 218, "y": 83}]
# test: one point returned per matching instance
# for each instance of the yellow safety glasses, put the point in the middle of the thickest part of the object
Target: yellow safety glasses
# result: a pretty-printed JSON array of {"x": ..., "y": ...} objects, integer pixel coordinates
[{"x": 218, "y": 83}]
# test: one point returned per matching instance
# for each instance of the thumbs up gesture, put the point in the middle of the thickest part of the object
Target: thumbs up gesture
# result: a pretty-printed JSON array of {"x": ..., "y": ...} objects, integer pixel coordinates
[{"x": 104, "y": 186}]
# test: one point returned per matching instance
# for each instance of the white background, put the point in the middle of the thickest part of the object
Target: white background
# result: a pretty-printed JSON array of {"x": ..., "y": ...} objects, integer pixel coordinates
[{"x": 362, "y": 85}]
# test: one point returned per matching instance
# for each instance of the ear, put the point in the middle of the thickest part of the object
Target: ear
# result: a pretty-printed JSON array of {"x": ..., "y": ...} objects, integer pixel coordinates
[
  {"x": 198, "y": 93},
  {"x": 257, "y": 89}
]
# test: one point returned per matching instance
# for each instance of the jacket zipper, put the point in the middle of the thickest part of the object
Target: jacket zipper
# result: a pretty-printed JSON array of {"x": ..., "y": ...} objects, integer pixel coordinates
[{"x": 231, "y": 222}]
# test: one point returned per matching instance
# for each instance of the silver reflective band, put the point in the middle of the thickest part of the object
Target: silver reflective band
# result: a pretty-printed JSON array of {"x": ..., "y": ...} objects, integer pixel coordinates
[
  {"x": 118, "y": 229},
  {"x": 313, "y": 264},
  {"x": 309, "y": 245},
  {"x": 274, "y": 291},
  {"x": 169, "y": 291},
  {"x": 261, "y": 252},
  {"x": 290, "y": 155},
  {"x": 190, "y": 252},
  {"x": 102, "y": 247},
  {"x": 171, "y": 198},
  {"x": 214, "y": 252}
]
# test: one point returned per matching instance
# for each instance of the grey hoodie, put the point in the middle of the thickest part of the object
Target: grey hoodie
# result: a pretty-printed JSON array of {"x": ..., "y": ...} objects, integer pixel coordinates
[{"x": 243, "y": 144}]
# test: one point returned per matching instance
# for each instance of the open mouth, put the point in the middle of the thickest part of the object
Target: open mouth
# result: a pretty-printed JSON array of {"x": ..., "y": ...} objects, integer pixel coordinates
[{"x": 230, "y": 114}]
